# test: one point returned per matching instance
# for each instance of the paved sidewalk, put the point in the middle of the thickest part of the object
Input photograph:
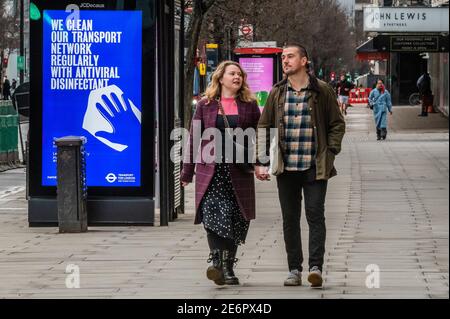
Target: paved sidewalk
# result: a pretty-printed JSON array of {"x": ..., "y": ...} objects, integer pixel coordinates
[{"x": 387, "y": 207}]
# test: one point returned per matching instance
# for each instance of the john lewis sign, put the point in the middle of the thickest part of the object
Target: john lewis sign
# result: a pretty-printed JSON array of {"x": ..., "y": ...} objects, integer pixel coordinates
[{"x": 405, "y": 19}]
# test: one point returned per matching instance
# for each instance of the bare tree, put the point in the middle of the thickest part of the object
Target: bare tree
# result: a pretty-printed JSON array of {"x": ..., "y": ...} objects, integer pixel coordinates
[
  {"x": 9, "y": 32},
  {"x": 9, "y": 28},
  {"x": 199, "y": 9},
  {"x": 321, "y": 26}
]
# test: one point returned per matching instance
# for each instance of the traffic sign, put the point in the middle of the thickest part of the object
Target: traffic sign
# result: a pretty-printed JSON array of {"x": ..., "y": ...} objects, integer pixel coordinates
[
  {"x": 246, "y": 31},
  {"x": 20, "y": 63}
]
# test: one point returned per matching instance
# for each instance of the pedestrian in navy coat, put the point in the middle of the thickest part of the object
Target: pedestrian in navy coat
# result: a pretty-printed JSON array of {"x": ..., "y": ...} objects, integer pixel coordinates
[{"x": 224, "y": 193}]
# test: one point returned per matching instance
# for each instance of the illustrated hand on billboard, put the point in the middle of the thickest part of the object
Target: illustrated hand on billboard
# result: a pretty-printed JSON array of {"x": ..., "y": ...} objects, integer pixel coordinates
[{"x": 111, "y": 118}]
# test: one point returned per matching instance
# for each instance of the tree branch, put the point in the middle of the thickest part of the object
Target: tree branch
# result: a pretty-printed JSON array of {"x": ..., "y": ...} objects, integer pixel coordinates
[{"x": 207, "y": 4}]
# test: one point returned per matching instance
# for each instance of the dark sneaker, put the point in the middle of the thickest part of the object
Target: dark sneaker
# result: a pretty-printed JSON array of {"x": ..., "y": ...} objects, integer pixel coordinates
[
  {"x": 294, "y": 278},
  {"x": 315, "y": 277}
]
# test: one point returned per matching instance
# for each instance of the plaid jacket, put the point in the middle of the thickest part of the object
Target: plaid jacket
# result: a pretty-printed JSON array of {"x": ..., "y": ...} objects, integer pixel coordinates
[{"x": 243, "y": 184}]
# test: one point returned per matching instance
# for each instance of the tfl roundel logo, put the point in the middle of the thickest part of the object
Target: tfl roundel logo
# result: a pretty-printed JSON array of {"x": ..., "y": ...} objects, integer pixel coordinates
[{"x": 111, "y": 178}]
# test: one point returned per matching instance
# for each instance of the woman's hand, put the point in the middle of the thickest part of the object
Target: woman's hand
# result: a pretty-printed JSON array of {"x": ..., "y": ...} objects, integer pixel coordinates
[
  {"x": 262, "y": 173},
  {"x": 184, "y": 184}
]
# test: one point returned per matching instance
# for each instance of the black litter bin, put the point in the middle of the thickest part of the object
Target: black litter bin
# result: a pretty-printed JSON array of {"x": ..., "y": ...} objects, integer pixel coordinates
[{"x": 71, "y": 193}]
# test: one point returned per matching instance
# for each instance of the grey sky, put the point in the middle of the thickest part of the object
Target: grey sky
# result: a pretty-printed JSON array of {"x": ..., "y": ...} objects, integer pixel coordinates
[{"x": 347, "y": 5}]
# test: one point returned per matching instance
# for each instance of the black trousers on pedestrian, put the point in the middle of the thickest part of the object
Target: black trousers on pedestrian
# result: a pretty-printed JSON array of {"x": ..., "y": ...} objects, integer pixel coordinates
[{"x": 291, "y": 185}]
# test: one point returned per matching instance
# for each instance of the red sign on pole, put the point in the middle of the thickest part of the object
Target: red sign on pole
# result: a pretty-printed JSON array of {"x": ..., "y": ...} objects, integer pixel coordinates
[{"x": 246, "y": 30}]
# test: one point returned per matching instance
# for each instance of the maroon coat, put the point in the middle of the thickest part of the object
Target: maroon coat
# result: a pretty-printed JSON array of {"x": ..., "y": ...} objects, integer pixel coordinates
[{"x": 243, "y": 184}]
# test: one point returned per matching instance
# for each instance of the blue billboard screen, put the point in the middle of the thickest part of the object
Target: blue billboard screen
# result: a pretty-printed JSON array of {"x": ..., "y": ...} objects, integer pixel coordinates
[{"x": 92, "y": 88}]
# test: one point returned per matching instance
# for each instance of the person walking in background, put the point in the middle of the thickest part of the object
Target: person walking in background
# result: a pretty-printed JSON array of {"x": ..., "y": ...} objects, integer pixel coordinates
[
  {"x": 344, "y": 86},
  {"x": 310, "y": 126},
  {"x": 381, "y": 103},
  {"x": 424, "y": 86},
  {"x": 6, "y": 89},
  {"x": 224, "y": 194},
  {"x": 13, "y": 86},
  {"x": 334, "y": 84}
]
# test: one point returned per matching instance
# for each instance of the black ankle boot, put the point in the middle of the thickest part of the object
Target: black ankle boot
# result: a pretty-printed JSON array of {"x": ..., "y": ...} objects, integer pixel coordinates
[
  {"x": 228, "y": 264},
  {"x": 215, "y": 271},
  {"x": 378, "y": 134}
]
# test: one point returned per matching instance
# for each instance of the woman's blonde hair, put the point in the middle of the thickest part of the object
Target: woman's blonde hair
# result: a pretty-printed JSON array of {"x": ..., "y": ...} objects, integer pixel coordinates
[{"x": 213, "y": 91}]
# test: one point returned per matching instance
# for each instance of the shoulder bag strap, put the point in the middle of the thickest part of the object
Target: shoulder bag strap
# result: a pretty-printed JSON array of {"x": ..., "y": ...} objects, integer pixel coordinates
[{"x": 225, "y": 119}]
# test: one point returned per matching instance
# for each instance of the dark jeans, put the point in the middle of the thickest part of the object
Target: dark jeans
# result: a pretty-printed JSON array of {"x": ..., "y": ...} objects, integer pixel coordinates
[{"x": 290, "y": 187}]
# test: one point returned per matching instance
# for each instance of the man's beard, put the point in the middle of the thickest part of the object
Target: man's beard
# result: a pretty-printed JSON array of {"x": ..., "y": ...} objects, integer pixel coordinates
[{"x": 292, "y": 71}]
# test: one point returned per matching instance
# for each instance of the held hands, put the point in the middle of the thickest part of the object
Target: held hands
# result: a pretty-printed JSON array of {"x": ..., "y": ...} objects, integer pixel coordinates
[{"x": 262, "y": 173}]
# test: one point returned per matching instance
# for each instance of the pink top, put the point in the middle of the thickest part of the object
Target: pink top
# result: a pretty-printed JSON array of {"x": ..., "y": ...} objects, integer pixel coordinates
[{"x": 229, "y": 105}]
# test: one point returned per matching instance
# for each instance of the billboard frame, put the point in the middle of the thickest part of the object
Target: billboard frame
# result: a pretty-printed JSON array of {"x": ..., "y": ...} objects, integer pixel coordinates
[{"x": 106, "y": 205}]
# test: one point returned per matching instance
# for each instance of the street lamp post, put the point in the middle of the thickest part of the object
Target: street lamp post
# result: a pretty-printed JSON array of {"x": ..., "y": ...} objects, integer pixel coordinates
[
  {"x": 22, "y": 49},
  {"x": 228, "y": 29}
]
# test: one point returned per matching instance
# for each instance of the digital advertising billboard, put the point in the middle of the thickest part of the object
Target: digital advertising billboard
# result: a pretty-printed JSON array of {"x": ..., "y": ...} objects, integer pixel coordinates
[
  {"x": 259, "y": 76},
  {"x": 91, "y": 87},
  {"x": 93, "y": 75}
]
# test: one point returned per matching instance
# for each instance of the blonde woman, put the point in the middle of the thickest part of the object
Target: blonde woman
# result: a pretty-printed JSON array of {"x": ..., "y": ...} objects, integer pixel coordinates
[{"x": 224, "y": 193}]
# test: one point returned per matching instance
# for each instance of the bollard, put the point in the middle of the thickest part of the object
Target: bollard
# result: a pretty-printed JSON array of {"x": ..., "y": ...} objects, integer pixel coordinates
[{"x": 71, "y": 191}]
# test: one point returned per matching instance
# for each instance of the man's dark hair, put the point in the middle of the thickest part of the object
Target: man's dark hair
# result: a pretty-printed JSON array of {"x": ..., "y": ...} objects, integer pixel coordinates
[
  {"x": 301, "y": 48},
  {"x": 380, "y": 80}
]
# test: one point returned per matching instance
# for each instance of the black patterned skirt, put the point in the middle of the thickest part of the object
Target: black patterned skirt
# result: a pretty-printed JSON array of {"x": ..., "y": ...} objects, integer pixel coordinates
[{"x": 220, "y": 210}]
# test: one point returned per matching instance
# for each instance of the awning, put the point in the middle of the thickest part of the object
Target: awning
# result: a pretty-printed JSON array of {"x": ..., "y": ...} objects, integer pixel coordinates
[{"x": 366, "y": 51}]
